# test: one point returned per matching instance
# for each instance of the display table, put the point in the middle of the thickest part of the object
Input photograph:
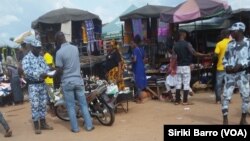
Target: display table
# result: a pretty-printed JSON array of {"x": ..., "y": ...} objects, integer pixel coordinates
[
  {"x": 122, "y": 100},
  {"x": 156, "y": 83}
]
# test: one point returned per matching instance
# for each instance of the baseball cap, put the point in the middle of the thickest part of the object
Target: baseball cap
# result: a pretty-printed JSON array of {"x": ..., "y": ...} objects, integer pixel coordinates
[
  {"x": 35, "y": 43},
  {"x": 238, "y": 26}
]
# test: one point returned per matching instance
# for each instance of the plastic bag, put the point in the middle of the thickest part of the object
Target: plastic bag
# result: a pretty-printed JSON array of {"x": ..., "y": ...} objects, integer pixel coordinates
[
  {"x": 171, "y": 80},
  {"x": 112, "y": 89}
]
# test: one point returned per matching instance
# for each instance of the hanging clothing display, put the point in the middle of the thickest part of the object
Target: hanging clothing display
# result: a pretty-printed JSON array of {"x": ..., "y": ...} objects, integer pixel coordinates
[
  {"x": 153, "y": 29},
  {"x": 128, "y": 35},
  {"x": 90, "y": 30},
  {"x": 91, "y": 35},
  {"x": 137, "y": 27},
  {"x": 145, "y": 28},
  {"x": 163, "y": 31},
  {"x": 84, "y": 34},
  {"x": 66, "y": 28}
]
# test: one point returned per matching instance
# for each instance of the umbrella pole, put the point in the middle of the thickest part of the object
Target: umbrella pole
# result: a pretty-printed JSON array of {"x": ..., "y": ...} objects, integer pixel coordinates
[
  {"x": 122, "y": 34},
  {"x": 197, "y": 49},
  {"x": 90, "y": 62}
]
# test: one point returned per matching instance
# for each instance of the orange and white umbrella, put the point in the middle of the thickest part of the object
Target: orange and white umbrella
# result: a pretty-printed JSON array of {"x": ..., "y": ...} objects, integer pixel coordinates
[{"x": 19, "y": 39}]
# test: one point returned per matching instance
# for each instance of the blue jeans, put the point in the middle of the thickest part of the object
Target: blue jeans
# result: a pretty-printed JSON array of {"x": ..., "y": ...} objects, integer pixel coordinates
[
  {"x": 3, "y": 122},
  {"x": 70, "y": 91},
  {"x": 220, "y": 75}
]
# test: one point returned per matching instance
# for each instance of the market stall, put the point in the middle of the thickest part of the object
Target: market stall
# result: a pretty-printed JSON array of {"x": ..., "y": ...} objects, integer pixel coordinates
[
  {"x": 145, "y": 22},
  {"x": 80, "y": 27},
  {"x": 200, "y": 11}
]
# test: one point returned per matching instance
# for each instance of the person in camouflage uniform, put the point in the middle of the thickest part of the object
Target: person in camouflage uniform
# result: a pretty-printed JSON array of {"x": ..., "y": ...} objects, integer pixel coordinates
[
  {"x": 35, "y": 70},
  {"x": 236, "y": 61}
]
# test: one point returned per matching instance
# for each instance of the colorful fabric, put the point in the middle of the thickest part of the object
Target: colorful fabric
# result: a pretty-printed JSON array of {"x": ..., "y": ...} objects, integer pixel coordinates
[
  {"x": 137, "y": 27},
  {"x": 48, "y": 58},
  {"x": 90, "y": 30},
  {"x": 220, "y": 49},
  {"x": 112, "y": 63},
  {"x": 128, "y": 35},
  {"x": 113, "y": 76},
  {"x": 84, "y": 35},
  {"x": 163, "y": 31}
]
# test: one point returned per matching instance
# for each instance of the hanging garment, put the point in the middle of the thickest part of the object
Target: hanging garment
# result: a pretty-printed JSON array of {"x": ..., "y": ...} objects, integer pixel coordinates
[
  {"x": 128, "y": 32},
  {"x": 145, "y": 28},
  {"x": 90, "y": 30},
  {"x": 84, "y": 35},
  {"x": 66, "y": 28},
  {"x": 137, "y": 27},
  {"x": 163, "y": 31}
]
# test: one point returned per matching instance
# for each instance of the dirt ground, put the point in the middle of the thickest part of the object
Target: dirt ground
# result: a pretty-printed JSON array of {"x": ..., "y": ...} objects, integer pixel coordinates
[{"x": 143, "y": 122}]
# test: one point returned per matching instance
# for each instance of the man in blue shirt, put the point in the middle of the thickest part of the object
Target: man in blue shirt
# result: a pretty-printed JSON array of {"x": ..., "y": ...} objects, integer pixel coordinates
[{"x": 68, "y": 65}]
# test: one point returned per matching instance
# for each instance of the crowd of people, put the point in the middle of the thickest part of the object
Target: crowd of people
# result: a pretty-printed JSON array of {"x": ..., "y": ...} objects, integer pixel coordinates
[
  {"x": 232, "y": 57},
  {"x": 34, "y": 65}
]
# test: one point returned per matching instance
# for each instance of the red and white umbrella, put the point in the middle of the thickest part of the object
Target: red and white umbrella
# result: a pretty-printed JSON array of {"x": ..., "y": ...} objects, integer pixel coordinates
[{"x": 195, "y": 9}]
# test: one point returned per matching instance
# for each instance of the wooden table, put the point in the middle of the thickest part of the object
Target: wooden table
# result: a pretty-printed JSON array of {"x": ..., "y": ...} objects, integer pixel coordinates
[{"x": 154, "y": 85}]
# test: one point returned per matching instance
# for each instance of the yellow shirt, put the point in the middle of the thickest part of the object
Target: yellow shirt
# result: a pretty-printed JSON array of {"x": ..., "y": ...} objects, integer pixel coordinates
[
  {"x": 49, "y": 60},
  {"x": 220, "y": 50}
]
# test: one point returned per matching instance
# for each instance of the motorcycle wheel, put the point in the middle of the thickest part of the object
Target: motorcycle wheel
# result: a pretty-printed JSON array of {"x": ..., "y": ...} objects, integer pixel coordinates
[
  {"x": 61, "y": 112},
  {"x": 107, "y": 116}
]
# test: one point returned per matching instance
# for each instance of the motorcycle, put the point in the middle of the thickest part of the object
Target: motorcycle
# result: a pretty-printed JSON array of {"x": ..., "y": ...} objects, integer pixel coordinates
[{"x": 100, "y": 106}]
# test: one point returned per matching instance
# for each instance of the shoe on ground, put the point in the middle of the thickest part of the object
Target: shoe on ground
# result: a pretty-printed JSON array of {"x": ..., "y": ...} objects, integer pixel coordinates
[
  {"x": 90, "y": 129},
  {"x": 77, "y": 131},
  {"x": 8, "y": 133}
]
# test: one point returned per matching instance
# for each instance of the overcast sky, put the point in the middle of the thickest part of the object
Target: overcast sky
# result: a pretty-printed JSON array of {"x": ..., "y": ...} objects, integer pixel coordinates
[{"x": 16, "y": 15}]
